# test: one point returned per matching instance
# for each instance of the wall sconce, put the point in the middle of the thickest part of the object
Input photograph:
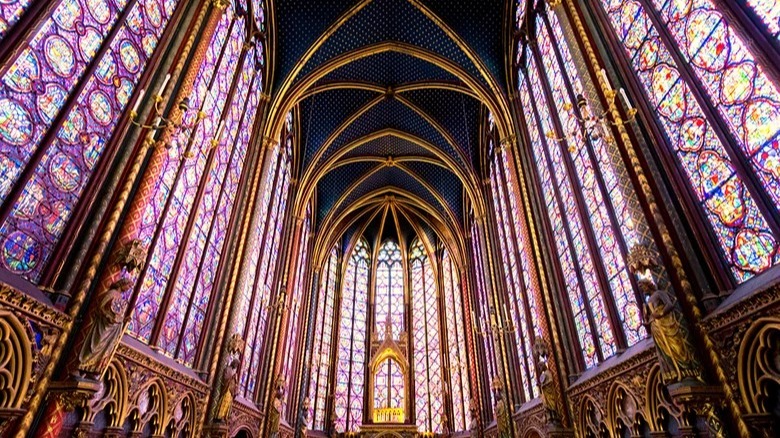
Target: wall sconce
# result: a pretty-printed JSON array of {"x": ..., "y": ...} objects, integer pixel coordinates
[
  {"x": 160, "y": 122},
  {"x": 493, "y": 325},
  {"x": 594, "y": 126}
]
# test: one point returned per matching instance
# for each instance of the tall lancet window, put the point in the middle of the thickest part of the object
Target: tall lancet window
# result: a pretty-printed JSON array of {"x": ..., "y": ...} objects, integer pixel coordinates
[
  {"x": 456, "y": 343},
  {"x": 720, "y": 112},
  {"x": 481, "y": 312},
  {"x": 350, "y": 379},
  {"x": 521, "y": 280},
  {"x": 429, "y": 402},
  {"x": 591, "y": 205},
  {"x": 389, "y": 297},
  {"x": 323, "y": 335},
  {"x": 194, "y": 202},
  {"x": 293, "y": 339},
  {"x": 63, "y": 93}
]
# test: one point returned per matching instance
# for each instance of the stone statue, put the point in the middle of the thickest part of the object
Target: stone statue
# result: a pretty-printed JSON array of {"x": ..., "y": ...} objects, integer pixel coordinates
[
  {"x": 501, "y": 411},
  {"x": 666, "y": 322},
  {"x": 667, "y": 326},
  {"x": 275, "y": 415},
  {"x": 305, "y": 416},
  {"x": 546, "y": 385},
  {"x": 107, "y": 327},
  {"x": 229, "y": 384},
  {"x": 474, "y": 417}
]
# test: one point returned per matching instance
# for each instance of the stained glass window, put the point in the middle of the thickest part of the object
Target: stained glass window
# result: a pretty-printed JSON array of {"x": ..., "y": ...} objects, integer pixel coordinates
[
  {"x": 657, "y": 37},
  {"x": 389, "y": 385},
  {"x": 428, "y": 398},
  {"x": 291, "y": 350},
  {"x": 323, "y": 338},
  {"x": 179, "y": 198},
  {"x": 521, "y": 280},
  {"x": 351, "y": 351},
  {"x": 481, "y": 315},
  {"x": 389, "y": 298},
  {"x": 262, "y": 260},
  {"x": 769, "y": 13},
  {"x": 34, "y": 88},
  {"x": 456, "y": 344},
  {"x": 590, "y": 204}
]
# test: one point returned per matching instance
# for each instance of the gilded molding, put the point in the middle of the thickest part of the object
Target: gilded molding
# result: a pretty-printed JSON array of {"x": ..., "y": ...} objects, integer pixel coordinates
[{"x": 31, "y": 307}]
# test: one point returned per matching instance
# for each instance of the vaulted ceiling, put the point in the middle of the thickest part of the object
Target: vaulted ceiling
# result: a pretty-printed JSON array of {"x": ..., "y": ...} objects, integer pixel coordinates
[{"x": 391, "y": 96}]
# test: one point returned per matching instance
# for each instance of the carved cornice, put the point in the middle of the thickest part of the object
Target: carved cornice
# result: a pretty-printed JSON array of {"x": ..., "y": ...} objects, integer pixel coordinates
[
  {"x": 31, "y": 307},
  {"x": 645, "y": 358},
  {"x": 755, "y": 305},
  {"x": 161, "y": 369}
]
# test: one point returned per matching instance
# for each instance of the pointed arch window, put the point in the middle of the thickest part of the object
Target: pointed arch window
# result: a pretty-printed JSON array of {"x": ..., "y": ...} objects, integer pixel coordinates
[
  {"x": 720, "y": 112},
  {"x": 350, "y": 379},
  {"x": 195, "y": 200},
  {"x": 323, "y": 332},
  {"x": 516, "y": 257},
  {"x": 389, "y": 298},
  {"x": 293, "y": 336},
  {"x": 590, "y": 203},
  {"x": 456, "y": 344},
  {"x": 429, "y": 408},
  {"x": 60, "y": 106},
  {"x": 263, "y": 254}
]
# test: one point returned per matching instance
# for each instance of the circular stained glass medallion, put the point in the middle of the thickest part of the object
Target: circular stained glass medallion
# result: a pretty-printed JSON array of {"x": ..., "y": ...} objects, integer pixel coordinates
[
  {"x": 72, "y": 127},
  {"x": 59, "y": 55},
  {"x": 129, "y": 56},
  {"x": 64, "y": 172},
  {"x": 15, "y": 124},
  {"x": 50, "y": 102},
  {"x": 89, "y": 42},
  {"x": 99, "y": 10},
  {"x": 20, "y": 252},
  {"x": 67, "y": 14},
  {"x": 153, "y": 13},
  {"x": 100, "y": 107},
  {"x": 23, "y": 72}
]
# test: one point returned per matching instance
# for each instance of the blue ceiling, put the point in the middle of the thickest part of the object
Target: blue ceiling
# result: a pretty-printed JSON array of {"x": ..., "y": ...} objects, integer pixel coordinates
[{"x": 467, "y": 34}]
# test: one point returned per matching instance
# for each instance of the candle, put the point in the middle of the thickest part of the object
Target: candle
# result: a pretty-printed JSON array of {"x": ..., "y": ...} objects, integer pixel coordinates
[
  {"x": 138, "y": 101},
  {"x": 164, "y": 84},
  {"x": 219, "y": 130},
  {"x": 606, "y": 79},
  {"x": 626, "y": 102}
]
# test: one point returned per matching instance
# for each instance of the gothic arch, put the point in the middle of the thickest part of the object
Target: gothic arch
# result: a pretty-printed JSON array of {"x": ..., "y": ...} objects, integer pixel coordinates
[
  {"x": 624, "y": 409},
  {"x": 758, "y": 369},
  {"x": 15, "y": 362},
  {"x": 112, "y": 397},
  {"x": 592, "y": 421}
]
